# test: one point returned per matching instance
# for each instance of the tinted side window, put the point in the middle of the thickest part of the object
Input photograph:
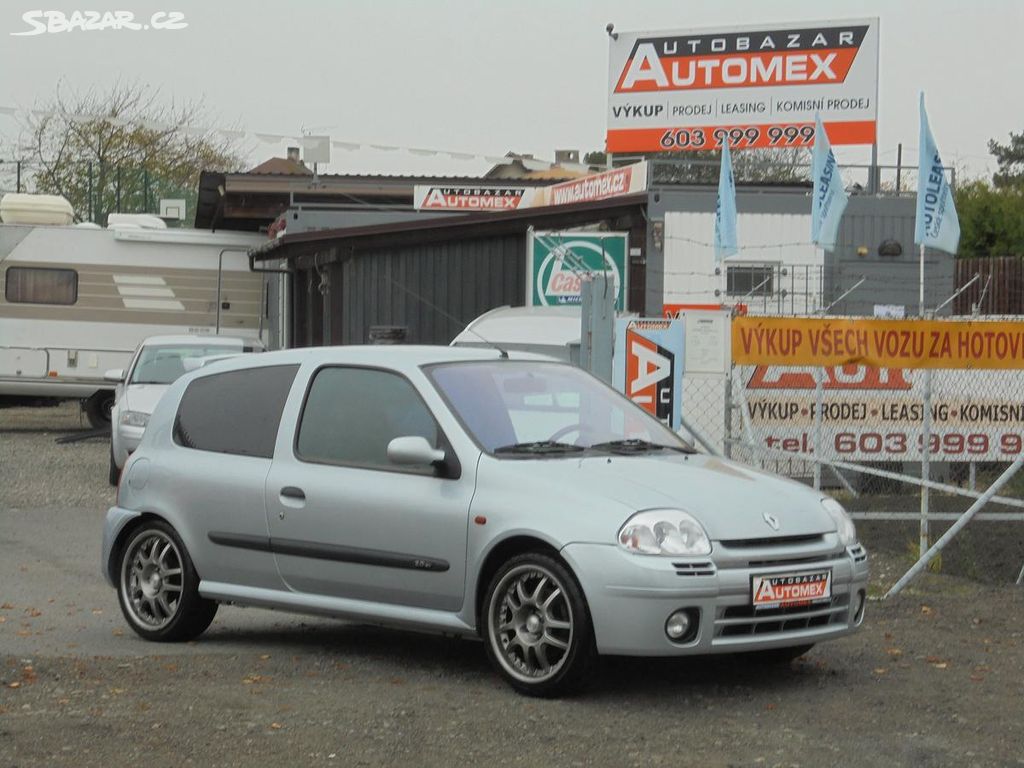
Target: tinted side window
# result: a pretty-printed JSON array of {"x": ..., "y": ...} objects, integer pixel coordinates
[
  {"x": 237, "y": 412},
  {"x": 351, "y": 414},
  {"x": 37, "y": 285}
]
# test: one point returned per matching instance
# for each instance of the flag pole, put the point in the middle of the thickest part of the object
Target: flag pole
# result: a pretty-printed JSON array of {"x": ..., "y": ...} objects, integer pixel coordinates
[{"x": 921, "y": 294}]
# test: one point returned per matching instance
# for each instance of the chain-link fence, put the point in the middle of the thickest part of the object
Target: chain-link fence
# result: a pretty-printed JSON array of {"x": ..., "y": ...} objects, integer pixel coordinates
[
  {"x": 97, "y": 189},
  {"x": 911, "y": 448}
]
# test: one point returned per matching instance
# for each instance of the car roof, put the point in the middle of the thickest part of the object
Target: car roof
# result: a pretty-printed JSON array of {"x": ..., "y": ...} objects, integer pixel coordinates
[
  {"x": 385, "y": 355},
  {"x": 209, "y": 340}
]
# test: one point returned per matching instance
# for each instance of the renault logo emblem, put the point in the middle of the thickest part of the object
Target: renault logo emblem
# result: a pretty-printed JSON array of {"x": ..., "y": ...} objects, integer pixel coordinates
[{"x": 772, "y": 520}]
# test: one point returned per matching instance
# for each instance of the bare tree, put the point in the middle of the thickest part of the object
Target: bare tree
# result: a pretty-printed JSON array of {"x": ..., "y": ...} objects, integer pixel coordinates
[{"x": 121, "y": 149}]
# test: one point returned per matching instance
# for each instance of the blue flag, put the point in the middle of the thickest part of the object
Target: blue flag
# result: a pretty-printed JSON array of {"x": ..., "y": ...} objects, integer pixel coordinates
[
  {"x": 829, "y": 198},
  {"x": 937, "y": 225},
  {"x": 725, "y": 208}
]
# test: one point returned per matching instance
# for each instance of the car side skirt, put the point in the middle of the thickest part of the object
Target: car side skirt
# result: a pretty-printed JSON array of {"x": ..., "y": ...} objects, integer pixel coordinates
[{"x": 423, "y": 619}]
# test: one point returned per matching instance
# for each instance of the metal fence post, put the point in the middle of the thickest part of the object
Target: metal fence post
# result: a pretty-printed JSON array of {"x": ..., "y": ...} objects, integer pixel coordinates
[
  {"x": 955, "y": 528},
  {"x": 926, "y": 431},
  {"x": 727, "y": 446},
  {"x": 819, "y": 398},
  {"x": 91, "y": 217},
  {"x": 18, "y": 187}
]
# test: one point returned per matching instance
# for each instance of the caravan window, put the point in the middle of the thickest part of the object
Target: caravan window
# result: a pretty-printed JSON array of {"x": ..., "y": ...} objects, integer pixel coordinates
[{"x": 35, "y": 285}]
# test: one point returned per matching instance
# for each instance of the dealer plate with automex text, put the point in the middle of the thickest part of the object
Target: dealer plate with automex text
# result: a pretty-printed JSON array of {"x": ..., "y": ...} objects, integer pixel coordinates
[{"x": 785, "y": 590}]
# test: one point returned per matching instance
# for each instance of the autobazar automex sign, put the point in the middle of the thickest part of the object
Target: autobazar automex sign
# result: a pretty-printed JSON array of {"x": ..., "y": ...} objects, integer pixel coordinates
[
  {"x": 556, "y": 262},
  {"x": 753, "y": 86},
  {"x": 440, "y": 197},
  {"x": 648, "y": 364}
]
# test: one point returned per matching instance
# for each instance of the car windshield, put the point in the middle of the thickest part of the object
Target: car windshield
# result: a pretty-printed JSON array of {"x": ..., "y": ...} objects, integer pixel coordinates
[
  {"x": 162, "y": 364},
  {"x": 535, "y": 408}
]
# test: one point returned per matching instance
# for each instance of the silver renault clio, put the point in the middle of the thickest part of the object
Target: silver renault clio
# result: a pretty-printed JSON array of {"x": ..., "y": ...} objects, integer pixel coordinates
[{"x": 463, "y": 492}]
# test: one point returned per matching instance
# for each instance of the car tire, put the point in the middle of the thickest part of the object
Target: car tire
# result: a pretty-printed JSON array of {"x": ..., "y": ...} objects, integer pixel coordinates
[
  {"x": 114, "y": 474},
  {"x": 778, "y": 655},
  {"x": 158, "y": 587},
  {"x": 97, "y": 408},
  {"x": 537, "y": 628}
]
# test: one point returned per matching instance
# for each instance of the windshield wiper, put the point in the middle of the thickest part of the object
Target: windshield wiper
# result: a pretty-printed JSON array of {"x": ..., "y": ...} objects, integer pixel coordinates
[
  {"x": 541, "y": 447},
  {"x": 634, "y": 445}
]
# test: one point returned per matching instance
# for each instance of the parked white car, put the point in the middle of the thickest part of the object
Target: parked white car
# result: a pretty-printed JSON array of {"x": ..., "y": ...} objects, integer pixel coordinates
[{"x": 157, "y": 363}]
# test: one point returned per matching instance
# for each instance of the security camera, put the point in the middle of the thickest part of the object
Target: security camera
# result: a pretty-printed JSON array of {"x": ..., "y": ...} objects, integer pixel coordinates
[{"x": 610, "y": 29}]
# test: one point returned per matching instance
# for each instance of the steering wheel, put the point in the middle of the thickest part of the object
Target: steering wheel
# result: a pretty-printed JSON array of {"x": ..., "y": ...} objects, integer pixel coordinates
[{"x": 569, "y": 429}]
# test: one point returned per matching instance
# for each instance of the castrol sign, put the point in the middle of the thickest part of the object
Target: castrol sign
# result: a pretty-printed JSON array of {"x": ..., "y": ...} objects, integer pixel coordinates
[{"x": 556, "y": 262}]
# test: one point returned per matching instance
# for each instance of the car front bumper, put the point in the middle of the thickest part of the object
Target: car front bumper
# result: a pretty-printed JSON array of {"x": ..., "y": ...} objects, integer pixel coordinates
[
  {"x": 128, "y": 439},
  {"x": 631, "y": 597}
]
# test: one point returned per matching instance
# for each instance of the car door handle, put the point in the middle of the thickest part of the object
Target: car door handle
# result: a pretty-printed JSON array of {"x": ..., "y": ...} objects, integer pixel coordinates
[{"x": 291, "y": 492}]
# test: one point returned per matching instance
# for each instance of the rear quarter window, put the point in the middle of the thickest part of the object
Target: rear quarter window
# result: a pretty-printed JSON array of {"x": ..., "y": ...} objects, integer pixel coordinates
[{"x": 237, "y": 412}]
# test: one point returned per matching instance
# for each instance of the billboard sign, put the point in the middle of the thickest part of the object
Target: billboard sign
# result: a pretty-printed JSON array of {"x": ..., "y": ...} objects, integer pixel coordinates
[
  {"x": 753, "y": 86},
  {"x": 877, "y": 414},
  {"x": 556, "y": 260},
  {"x": 648, "y": 365}
]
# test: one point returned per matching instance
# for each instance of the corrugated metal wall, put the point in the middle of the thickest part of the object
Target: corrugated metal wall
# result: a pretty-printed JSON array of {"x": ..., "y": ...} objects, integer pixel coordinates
[
  {"x": 1005, "y": 294},
  {"x": 434, "y": 290}
]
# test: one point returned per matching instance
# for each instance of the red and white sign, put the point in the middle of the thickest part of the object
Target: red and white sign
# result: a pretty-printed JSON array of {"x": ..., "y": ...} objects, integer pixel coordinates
[
  {"x": 696, "y": 89},
  {"x": 599, "y": 186},
  {"x": 436, "y": 197},
  {"x": 790, "y": 589},
  {"x": 877, "y": 414}
]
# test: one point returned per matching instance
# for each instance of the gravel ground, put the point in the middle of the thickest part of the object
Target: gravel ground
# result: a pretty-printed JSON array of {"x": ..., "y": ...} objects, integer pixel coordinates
[{"x": 936, "y": 676}]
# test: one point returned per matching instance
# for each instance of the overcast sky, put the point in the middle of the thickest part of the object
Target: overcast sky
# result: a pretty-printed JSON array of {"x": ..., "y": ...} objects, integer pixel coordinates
[{"x": 488, "y": 77}]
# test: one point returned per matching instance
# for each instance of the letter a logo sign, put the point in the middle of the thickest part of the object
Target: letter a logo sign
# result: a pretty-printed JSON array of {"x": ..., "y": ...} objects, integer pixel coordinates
[{"x": 649, "y": 376}]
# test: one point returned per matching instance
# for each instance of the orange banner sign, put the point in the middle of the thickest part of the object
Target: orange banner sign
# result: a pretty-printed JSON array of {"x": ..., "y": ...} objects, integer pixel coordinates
[{"x": 795, "y": 341}]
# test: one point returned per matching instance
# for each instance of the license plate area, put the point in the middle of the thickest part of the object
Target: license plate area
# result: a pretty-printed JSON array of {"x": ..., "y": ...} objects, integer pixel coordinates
[{"x": 788, "y": 590}]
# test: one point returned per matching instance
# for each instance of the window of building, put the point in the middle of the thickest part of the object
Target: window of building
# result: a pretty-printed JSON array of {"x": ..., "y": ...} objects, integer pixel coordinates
[
  {"x": 351, "y": 414},
  {"x": 237, "y": 412},
  {"x": 750, "y": 279},
  {"x": 39, "y": 285}
]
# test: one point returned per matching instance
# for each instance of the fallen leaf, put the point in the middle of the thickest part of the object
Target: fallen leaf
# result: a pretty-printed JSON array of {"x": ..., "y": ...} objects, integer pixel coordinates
[
  {"x": 171, "y": 667},
  {"x": 925, "y": 610},
  {"x": 62, "y": 702},
  {"x": 894, "y": 652},
  {"x": 933, "y": 659},
  {"x": 881, "y": 671},
  {"x": 888, "y": 635},
  {"x": 15, "y": 684},
  {"x": 3, "y": 619},
  {"x": 6, "y": 607},
  {"x": 117, "y": 632},
  {"x": 769, "y": 706},
  {"x": 977, "y": 678},
  {"x": 264, "y": 657},
  {"x": 276, "y": 726},
  {"x": 97, "y": 611}
]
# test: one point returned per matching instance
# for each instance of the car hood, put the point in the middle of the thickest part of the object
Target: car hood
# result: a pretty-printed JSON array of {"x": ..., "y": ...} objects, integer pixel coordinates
[
  {"x": 143, "y": 397},
  {"x": 729, "y": 499}
]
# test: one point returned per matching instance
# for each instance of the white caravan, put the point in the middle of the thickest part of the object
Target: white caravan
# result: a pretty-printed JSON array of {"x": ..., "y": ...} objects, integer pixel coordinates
[{"x": 75, "y": 301}]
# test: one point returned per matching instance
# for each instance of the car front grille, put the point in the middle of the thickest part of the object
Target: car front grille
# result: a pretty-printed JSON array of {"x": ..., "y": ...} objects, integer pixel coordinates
[
  {"x": 694, "y": 569},
  {"x": 743, "y": 620},
  {"x": 858, "y": 553},
  {"x": 777, "y": 541}
]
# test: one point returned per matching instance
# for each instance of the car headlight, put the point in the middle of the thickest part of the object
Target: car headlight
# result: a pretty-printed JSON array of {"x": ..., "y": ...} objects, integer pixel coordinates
[
  {"x": 844, "y": 524},
  {"x": 134, "y": 418},
  {"x": 664, "y": 532}
]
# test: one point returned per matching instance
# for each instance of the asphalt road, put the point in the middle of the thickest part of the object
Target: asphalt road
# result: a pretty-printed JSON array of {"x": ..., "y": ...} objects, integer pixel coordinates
[{"x": 936, "y": 677}]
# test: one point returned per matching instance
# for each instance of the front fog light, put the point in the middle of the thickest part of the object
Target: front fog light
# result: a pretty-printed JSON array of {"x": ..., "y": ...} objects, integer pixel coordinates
[{"x": 678, "y": 625}]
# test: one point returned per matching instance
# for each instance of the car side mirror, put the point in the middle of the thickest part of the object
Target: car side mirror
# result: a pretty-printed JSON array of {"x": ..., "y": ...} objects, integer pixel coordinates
[
  {"x": 414, "y": 451},
  {"x": 114, "y": 374}
]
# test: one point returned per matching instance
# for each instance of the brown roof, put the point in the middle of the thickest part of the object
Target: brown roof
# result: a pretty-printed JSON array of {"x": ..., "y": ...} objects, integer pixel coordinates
[{"x": 281, "y": 166}]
